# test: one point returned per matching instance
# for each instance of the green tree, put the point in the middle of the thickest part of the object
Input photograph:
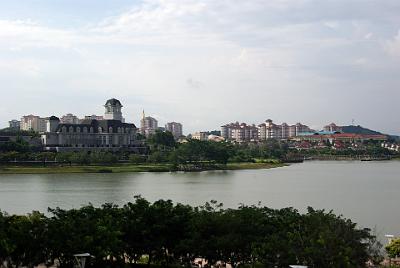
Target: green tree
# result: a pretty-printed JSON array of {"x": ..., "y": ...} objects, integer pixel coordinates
[{"x": 393, "y": 249}]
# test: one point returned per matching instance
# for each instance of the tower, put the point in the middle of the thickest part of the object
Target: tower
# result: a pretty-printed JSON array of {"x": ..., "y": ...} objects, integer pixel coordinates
[{"x": 113, "y": 110}]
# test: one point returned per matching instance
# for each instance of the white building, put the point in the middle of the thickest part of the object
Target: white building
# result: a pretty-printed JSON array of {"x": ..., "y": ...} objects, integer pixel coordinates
[
  {"x": 175, "y": 128},
  {"x": 201, "y": 136}
]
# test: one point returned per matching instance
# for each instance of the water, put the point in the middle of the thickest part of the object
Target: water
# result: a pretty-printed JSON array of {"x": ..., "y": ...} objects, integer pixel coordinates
[{"x": 366, "y": 192}]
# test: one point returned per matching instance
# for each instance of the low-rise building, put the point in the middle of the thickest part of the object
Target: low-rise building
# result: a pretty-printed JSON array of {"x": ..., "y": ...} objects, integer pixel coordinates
[{"x": 201, "y": 136}]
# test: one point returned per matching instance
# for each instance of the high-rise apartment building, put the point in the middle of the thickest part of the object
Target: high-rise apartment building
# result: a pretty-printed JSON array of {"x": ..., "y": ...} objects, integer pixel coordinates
[
  {"x": 239, "y": 132},
  {"x": 175, "y": 128},
  {"x": 269, "y": 130},
  {"x": 33, "y": 122},
  {"x": 148, "y": 125}
]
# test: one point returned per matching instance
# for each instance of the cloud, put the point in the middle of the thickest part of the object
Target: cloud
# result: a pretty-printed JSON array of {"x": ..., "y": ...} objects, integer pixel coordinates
[
  {"x": 392, "y": 46},
  {"x": 257, "y": 55}
]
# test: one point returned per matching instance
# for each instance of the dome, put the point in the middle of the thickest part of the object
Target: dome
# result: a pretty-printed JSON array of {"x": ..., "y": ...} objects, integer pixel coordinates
[
  {"x": 113, "y": 102},
  {"x": 54, "y": 118}
]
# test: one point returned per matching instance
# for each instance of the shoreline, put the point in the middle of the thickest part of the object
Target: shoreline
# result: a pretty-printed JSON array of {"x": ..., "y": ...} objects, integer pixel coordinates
[{"x": 126, "y": 168}]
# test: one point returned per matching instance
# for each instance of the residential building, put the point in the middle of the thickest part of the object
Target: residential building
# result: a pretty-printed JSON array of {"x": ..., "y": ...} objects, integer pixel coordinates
[
  {"x": 239, "y": 132},
  {"x": 148, "y": 125},
  {"x": 269, "y": 130},
  {"x": 201, "y": 136},
  {"x": 91, "y": 134},
  {"x": 69, "y": 119},
  {"x": 14, "y": 124},
  {"x": 175, "y": 128},
  {"x": 33, "y": 122},
  {"x": 332, "y": 127}
]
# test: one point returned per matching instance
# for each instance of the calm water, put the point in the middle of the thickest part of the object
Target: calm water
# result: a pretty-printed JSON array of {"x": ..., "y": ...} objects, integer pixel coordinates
[{"x": 366, "y": 192}]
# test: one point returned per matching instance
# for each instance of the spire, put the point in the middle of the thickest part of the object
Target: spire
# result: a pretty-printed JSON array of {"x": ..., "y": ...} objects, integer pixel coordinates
[{"x": 143, "y": 116}]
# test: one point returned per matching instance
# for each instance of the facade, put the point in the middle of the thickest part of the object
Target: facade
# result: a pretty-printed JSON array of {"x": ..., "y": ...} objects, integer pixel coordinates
[
  {"x": 93, "y": 117},
  {"x": 239, "y": 132},
  {"x": 113, "y": 110},
  {"x": 33, "y": 122},
  {"x": 14, "y": 124},
  {"x": 332, "y": 127},
  {"x": 269, "y": 130},
  {"x": 343, "y": 137},
  {"x": 69, "y": 119},
  {"x": 201, "y": 136},
  {"x": 175, "y": 128},
  {"x": 148, "y": 125},
  {"x": 90, "y": 134}
]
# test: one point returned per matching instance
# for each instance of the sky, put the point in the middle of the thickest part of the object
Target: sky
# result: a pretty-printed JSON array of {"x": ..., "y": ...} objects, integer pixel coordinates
[{"x": 204, "y": 63}]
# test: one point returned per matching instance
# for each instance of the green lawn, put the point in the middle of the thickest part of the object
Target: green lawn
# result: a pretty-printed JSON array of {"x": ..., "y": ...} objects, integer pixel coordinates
[{"x": 120, "y": 168}]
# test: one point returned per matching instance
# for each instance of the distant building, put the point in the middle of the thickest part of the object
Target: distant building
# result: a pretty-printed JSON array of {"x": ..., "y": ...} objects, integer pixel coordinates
[
  {"x": 33, "y": 122},
  {"x": 113, "y": 110},
  {"x": 269, "y": 130},
  {"x": 239, "y": 132},
  {"x": 215, "y": 138},
  {"x": 91, "y": 134},
  {"x": 332, "y": 127},
  {"x": 69, "y": 119},
  {"x": 148, "y": 125},
  {"x": 201, "y": 136},
  {"x": 343, "y": 137},
  {"x": 175, "y": 128},
  {"x": 14, "y": 124}
]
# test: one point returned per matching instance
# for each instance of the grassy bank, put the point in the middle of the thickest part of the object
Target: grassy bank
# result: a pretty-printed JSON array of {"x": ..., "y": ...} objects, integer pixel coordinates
[{"x": 10, "y": 169}]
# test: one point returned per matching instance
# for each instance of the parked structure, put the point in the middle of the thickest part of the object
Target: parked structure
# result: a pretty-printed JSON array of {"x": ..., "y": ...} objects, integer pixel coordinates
[{"x": 175, "y": 128}]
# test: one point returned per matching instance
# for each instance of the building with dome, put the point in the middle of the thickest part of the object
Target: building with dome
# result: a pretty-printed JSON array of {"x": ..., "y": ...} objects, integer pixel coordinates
[{"x": 111, "y": 134}]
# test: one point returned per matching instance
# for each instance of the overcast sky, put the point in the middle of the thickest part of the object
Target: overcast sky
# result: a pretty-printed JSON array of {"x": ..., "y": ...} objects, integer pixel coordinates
[{"x": 204, "y": 63}]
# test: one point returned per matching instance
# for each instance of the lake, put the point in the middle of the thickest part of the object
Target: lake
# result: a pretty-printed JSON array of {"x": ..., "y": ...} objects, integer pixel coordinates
[{"x": 366, "y": 192}]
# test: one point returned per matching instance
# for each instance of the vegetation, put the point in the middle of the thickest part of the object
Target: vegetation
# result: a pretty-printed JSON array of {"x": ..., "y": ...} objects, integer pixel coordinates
[
  {"x": 393, "y": 249},
  {"x": 166, "y": 234}
]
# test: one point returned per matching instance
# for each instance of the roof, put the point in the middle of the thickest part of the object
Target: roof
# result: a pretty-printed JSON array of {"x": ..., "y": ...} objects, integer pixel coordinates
[
  {"x": 113, "y": 102},
  {"x": 54, "y": 118},
  {"x": 96, "y": 124}
]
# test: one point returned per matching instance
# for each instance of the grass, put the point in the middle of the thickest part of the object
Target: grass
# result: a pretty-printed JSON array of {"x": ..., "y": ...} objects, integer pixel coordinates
[{"x": 120, "y": 168}]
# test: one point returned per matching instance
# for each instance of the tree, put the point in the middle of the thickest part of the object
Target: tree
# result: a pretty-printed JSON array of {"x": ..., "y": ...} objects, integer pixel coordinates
[
  {"x": 393, "y": 249},
  {"x": 162, "y": 139}
]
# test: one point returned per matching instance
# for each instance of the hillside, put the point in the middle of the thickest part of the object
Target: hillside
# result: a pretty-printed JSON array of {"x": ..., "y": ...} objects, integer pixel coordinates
[{"x": 359, "y": 130}]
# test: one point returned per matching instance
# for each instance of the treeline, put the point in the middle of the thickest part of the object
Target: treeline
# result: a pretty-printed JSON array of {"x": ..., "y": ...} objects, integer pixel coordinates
[{"x": 167, "y": 234}]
